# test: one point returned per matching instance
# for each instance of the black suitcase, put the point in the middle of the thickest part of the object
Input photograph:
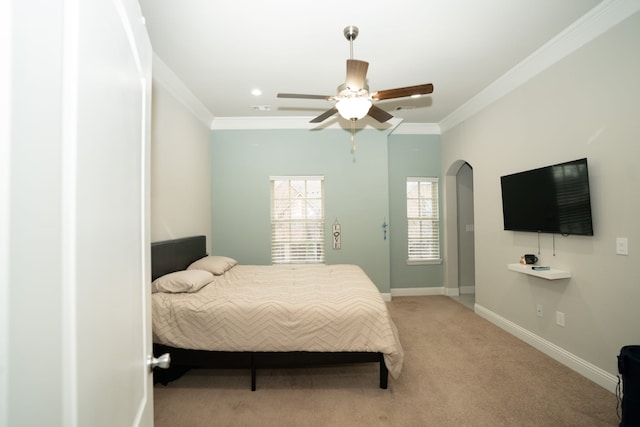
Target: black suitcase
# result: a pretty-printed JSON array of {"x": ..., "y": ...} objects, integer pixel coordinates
[{"x": 629, "y": 369}]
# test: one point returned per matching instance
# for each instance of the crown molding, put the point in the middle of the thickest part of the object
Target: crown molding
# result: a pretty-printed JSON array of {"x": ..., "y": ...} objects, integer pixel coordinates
[
  {"x": 252, "y": 123},
  {"x": 417, "y": 129},
  {"x": 596, "y": 22},
  {"x": 296, "y": 122},
  {"x": 593, "y": 24},
  {"x": 165, "y": 77}
]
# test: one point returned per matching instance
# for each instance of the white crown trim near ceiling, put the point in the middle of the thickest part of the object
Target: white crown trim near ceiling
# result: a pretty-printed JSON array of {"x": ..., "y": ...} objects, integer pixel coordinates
[
  {"x": 296, "y": 122},
  {"x": 417, "y": 129},
  {"x": 597, "y": 21},
  {"x": 164, "y": 76},
  {"x": 593, "y": 24}
]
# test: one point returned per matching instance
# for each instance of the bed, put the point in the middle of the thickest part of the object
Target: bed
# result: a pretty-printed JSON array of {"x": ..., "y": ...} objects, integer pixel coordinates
[{"x": 254, "y": 317}]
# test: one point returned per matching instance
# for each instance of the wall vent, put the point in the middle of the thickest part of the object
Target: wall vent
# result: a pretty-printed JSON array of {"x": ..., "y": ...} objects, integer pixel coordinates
[{"x": 261, "y": 107}]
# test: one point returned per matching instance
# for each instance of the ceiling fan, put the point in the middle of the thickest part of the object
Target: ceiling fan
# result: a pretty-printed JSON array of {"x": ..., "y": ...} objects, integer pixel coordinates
[{"x": 353, "y": 100}]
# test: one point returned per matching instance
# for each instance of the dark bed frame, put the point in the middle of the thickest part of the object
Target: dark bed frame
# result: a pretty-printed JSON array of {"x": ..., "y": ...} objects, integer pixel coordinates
[{"x": 175, "y": 255}]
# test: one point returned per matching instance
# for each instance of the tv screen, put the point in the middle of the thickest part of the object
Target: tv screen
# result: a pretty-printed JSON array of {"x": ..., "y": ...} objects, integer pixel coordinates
[{"x": 552, "y": 199}]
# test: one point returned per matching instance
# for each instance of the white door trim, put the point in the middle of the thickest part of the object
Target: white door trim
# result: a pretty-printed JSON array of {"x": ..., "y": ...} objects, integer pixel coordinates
[{"x": 5, "y": 194}]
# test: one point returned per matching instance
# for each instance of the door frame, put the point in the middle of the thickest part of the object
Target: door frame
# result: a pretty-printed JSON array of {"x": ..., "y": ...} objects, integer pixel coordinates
[{"x": 451, "y": 263}]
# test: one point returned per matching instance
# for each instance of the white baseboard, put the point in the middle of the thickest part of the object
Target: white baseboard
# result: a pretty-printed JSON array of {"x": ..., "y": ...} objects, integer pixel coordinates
[
  {"x": 451, "y": 292},
  {"x": 467, "y": 290},
  {"x": 570, "y": 360},
  {"x": 424, "y": 291},
  {"x": 581, "y": 366},
  {"x": 416, "y": 292}
]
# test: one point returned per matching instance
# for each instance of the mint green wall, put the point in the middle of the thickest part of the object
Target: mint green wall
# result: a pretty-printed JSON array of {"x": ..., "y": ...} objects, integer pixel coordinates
[
  {"x": 410, "y": 155},
  {"x": 356, "y": 192}
]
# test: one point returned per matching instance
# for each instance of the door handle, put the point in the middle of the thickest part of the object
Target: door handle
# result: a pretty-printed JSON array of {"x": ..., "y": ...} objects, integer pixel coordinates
[{"x": 161, "y": 362}]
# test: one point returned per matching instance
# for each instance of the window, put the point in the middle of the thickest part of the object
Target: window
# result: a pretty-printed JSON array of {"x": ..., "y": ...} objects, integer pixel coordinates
[
  {"x": 423, "y": 221},
  {"x": 297, "y": 219}
]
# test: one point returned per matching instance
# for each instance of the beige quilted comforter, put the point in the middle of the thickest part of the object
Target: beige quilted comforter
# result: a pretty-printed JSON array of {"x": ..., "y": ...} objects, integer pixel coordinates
[{"x": 323, "y": 308}]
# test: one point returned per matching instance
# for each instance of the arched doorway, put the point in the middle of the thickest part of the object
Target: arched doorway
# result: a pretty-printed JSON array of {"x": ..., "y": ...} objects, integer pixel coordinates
[
  {"x": 466, "y": 227},
  {"x": 459, "y": 232}
]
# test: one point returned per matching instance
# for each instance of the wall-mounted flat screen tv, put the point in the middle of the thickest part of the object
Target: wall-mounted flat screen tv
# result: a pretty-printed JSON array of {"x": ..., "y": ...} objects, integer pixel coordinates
[{"x": 551, "y": 199}]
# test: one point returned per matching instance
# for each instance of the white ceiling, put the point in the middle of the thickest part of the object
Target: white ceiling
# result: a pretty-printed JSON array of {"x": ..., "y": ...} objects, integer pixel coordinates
[{"x": 221, "y": 50}]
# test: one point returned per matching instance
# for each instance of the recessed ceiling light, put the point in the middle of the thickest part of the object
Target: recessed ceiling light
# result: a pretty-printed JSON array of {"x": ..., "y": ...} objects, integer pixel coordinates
[{"x": 256, "y": 92}]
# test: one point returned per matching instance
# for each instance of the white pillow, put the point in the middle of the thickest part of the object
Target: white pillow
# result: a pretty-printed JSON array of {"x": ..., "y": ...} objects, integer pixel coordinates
[
  {"x": 214, "y": 264},
  {"x": 182, "y": 281}
]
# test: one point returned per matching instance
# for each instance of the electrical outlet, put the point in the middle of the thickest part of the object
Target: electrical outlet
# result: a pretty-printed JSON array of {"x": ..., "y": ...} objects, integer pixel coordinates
[
  {"x": 539, "y": 310},
  {"x": 560, "y": 318}
]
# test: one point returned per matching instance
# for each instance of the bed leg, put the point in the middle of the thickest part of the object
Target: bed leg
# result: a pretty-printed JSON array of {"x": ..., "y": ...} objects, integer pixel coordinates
[
  {"x": 253, "y": 372},
  {"x": 384, "y": 374}
]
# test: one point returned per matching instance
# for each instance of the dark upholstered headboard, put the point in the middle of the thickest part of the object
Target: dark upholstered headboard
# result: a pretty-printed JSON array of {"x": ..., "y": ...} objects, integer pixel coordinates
[{"x": 175, "y": 255}]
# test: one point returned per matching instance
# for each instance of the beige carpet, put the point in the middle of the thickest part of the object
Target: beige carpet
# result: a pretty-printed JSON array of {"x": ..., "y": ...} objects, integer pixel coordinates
[{"x": 459, "y": 370}]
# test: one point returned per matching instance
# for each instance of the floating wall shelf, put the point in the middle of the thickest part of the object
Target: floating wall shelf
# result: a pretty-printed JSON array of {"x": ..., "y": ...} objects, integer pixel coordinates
[{"x": 551, "y": 274}]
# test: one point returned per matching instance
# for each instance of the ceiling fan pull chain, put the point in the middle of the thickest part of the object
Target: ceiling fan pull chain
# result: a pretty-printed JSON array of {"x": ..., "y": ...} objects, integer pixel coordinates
[{"x": 353, "y": 136}]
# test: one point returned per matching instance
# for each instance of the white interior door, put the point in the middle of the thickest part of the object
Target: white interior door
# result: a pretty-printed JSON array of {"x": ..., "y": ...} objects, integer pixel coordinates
[
  {"x": 107, "y": 167},
  {"x": 75, "y": 325},
  {"x": 5, "y": 176}
]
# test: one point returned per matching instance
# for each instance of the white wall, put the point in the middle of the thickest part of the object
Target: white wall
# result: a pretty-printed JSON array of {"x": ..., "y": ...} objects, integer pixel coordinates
[
  {"x": 586, "y": 105},
  {"x": 180, "y": 170}
]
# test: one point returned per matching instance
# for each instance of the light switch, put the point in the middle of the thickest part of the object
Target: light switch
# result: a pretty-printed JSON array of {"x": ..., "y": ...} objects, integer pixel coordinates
[{"x": 622, "y": 246}]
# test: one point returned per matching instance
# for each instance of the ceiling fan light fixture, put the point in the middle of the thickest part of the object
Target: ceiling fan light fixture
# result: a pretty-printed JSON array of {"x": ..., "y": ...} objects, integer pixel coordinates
[
  {"x": 353, "y": 108},
  {"x": 353, "y": 100}
]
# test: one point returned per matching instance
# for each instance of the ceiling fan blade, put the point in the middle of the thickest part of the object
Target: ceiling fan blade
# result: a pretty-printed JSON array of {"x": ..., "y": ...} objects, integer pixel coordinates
[
  {"x": 303, "y": 96},
  {"x": 379, "y": 114},
  {"x": 356, "y": 74},
  {"x": 325, "y": 115},
  {"x": 403, "y": 91}
]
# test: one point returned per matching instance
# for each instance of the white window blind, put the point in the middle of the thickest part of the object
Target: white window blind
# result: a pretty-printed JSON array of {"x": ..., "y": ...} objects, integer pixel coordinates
[
  {"x": 297, "y": 219},
  {"x": 423, "y": 220}
]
